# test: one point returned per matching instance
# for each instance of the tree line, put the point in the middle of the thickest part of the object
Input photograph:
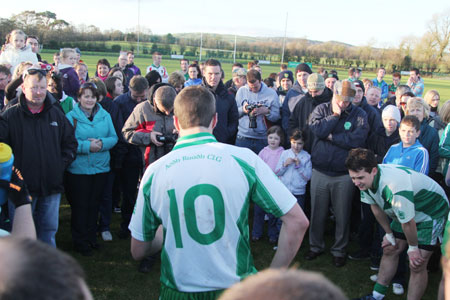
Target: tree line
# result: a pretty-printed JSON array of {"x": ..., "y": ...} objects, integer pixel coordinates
[{"x": 428, "y": 52}]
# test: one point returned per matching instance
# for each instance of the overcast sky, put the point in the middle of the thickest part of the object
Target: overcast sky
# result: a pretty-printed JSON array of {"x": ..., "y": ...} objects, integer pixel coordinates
[{"x": 349, "y": 21}]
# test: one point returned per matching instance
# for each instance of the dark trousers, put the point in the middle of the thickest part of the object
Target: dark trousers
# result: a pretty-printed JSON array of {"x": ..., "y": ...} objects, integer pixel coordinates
[
  {"x": 106, "y": 205},
  {"x": 370, "y": 232},
  {"x": 129, "y": 178},
  {"x": 84, "y": 193}
]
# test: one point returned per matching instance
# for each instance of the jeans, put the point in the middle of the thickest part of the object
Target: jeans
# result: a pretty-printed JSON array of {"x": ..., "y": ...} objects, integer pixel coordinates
[
  {"x": 256, "y": 145},
  {"x": 258, "y": 224},
  {"x": 46, "y": 217}
]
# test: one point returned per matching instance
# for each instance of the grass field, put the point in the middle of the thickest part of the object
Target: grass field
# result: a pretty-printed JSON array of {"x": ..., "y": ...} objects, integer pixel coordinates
[
  {"x": 441, "y": 85},
  {"x": 112, "y": 274}
]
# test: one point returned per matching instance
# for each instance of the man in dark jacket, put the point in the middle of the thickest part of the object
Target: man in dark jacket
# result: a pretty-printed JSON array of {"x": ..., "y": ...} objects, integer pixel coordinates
[
  {"x": 44, "y": 145},
  {"x": 227, "y": 112},
  {"x": 298, "y": 90},
  {"x": 337, "y": 127},
  {"x": 132, "y": 163},
  {"x": 317, "y": 94}
]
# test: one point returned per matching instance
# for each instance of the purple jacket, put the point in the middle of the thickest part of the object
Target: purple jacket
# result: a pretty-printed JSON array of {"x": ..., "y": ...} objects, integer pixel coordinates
[{"x": 70, "y": 81}]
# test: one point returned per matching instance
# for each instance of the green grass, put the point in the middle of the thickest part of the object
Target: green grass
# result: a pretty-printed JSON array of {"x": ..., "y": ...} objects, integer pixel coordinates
[{"x": 112, "y": 274}]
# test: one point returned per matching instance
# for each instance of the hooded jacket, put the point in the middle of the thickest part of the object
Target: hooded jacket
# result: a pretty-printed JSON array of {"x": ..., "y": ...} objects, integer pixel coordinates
[
  {"x": 43, "y": 144},
  {"x": 348, "y": 130},
  {"x": 101, "y": 127},
  {"x": 267, "y": 97},
  {"x": 227, "y": 114},
  {"x": 300, "y": 116},
  {"x": 144, "y": 119},
  {"x": 293, "y": 96}
]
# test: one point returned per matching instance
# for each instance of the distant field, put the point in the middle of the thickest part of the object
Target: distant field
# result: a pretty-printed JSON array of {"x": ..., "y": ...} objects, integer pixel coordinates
[{"x": 441, "y": 85}]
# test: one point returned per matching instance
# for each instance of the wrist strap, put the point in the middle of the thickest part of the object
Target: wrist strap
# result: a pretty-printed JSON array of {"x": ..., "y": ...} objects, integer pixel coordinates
[
  {"x": 412, "y": 248},
  {"x": 391, "y": 238}
]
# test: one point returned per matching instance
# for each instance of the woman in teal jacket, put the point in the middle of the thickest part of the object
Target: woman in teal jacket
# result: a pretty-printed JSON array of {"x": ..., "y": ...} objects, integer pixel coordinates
[{"x": 86, "y": 176}]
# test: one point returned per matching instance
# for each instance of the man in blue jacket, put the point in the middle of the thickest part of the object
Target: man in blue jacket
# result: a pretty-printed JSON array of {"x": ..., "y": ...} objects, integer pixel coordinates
[
  {"x": 337, "y": 126},
  {"x": 379, "y": 82}
]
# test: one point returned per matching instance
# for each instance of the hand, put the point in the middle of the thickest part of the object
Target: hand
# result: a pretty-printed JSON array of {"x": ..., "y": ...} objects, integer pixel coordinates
[
  {"x": 96, "y": 145},
  {"x": 17, "y": 189},
  {"x": 336, "y": 109},
  {"x": 288, "y": 161},
  {"x": 153, "y": 139},
  {"x": 410, "y": 81},
  {"x": 415, "y": 259},
  {"x": 244, "y": 108},
  {"x": 262, "y": 110},
  {"x": 297, "y": 161}
]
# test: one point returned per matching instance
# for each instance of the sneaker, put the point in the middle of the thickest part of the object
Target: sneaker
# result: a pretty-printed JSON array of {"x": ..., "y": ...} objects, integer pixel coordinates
[
  {"x": 398, "y": 289},
  {"x": 374, "y": 277},
  {"x": 117, "y": 210},
  {"x": 367, "y": 297},
  {"x": 375, "y": 263},
  {"x": 107, "y": 236},
  {"x": 359, "y": 255}
]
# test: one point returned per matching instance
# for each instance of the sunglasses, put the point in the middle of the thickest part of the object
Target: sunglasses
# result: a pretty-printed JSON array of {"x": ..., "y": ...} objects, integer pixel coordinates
[
  {"x": 34, "y": 71},
  {"x": 88, "y": 85}
]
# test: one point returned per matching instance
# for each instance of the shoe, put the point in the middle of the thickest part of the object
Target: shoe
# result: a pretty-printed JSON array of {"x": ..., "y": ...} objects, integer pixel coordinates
[
  {"x": 123, "y": 234},
  {"x": 107, "y": 236},
  {"x": 146, "y": 264},
  {"x": 367, "y": 297},
  {"x": 374, "y": 277},
  {"x": 339, "y": 261},
  {"x": 312, "y": 255},
  {"x": 359, "y": 255},
  {"x": 117, "y": 210},
  {"x": 398, "y": 289}
]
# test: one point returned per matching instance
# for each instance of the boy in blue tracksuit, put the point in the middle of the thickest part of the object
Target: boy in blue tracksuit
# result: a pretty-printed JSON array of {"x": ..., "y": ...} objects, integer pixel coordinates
[{"x": 409, "y": 152}]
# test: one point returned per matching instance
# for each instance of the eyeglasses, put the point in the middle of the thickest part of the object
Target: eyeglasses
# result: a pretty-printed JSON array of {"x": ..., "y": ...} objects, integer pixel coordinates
[{"x": 88, "y": 85}]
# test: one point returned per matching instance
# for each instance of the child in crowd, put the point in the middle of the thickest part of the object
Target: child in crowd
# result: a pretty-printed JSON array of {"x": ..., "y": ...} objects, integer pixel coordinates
[
  {"x": 16, "y": 51},
  {"x": 270, "y": 155},
  {"x": 409, "y": 152},
  {"x": 294, "y": 167},
  {"x": 54, "y": 86},
  {"x": 82, "y": 71},
  {"x": 70, "y": 80}
]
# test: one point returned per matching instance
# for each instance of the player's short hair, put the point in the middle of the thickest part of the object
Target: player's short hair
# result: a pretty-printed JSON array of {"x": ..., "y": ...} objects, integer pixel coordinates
[
  {"x": 194, "y": 106},
  {"x": 411, "y": 121},
  {"x": 238, "y": 65},
  {"x": 415, "y": 70},
  {"x": 284, "y": 284},
  {"x": 177, "y": 79},
  {"x": 397, "y": 74},
  {"x": 401, "y": 90},
  {"x": 38, "y": 271},
  {"x": 361, "y": 159}
]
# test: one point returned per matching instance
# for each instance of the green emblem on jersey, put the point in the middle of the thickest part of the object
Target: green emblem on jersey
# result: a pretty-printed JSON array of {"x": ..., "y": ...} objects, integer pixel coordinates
[
  {"x": 347, "y": 125},
  {"x": 401, "y": 215}
]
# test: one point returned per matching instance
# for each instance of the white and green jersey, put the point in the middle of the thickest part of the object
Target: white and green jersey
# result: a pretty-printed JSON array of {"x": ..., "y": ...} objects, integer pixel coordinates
[
  {"x": 161, "y": 70},
  {"x": 405, "y": 194},
  {"x": 200, "y": 192}
]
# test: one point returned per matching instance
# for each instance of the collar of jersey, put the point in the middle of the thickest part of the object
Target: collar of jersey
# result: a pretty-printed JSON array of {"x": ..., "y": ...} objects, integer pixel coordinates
[
  {"x": 194, "y": 139},
  {"x": 376, "y": 181}
]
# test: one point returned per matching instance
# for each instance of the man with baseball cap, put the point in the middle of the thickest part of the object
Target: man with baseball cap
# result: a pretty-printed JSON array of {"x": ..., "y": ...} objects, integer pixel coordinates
[
  {"x": 317, "y": 94},
  {"x": 298, "y": 90},
  {"x": 337, "y": 126}
]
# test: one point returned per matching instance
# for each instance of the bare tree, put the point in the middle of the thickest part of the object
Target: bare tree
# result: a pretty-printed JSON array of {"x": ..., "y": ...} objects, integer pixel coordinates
[{"x": 439, "y": 31}]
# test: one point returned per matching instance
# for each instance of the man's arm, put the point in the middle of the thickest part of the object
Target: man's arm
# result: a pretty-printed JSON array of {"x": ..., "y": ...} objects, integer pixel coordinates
[
  {"x": 292, "y": 232},
  {"x": 410, "y": 231},
  {"x": 381, "y": 217},
  {"x": 140, "y": 249}
]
